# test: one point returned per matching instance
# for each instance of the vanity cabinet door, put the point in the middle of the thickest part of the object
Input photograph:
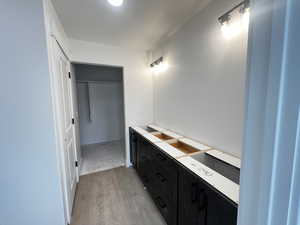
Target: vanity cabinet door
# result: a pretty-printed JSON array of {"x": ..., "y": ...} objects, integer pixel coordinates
[
  {"x": 133, "y": 147},
  {"x": 220, "y": 210},
  {"x": 144, "y": 164},
  {"x": 191, "y": 212},
  {"x": 200, "y": 204}
]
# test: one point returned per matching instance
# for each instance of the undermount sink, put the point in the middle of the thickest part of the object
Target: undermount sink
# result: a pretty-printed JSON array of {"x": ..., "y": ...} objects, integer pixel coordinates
[
  {"x": 187, "y": 149},
  {"x": 162, "y": 136},
  {"x": 150, "y": 130}
]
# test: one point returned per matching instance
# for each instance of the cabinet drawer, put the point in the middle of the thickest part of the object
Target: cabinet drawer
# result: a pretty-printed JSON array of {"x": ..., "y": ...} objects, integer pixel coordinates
[
  {"x": 167, "y": 209},
  {"x": 166, "y": 183},
  {"x": 162, "y": 160}
]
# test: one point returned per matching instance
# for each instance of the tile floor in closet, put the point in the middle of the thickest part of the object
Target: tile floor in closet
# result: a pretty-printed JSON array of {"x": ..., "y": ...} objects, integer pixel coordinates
[{"x": 102, "y": 156}]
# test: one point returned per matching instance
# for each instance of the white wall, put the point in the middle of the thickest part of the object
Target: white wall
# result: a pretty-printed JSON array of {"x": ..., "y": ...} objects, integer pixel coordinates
[
  {"x": 202, "y": 93},
  {"x": 29, "y": 178},
  {"x": 107, "y": 120},
  {"x": 138, "y": 92}
]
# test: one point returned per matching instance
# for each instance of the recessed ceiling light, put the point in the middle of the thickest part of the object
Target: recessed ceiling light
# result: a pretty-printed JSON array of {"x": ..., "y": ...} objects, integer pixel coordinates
[{"x": 116, "y": 2}]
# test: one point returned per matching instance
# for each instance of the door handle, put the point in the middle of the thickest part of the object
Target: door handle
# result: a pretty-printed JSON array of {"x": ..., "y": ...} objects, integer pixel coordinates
[
  {"x": 194, "y": 192},
  {"x": 161, "y": 177},
  {"x": 203, "y": 201},
  {"x": 145, "y": 177},
  {"x": 161, "y": 203},
  {"x": 162, "y": 158}
]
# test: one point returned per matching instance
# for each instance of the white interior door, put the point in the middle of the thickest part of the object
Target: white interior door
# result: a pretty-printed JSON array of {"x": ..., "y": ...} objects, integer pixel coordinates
[{"x": 67, "y": 129}]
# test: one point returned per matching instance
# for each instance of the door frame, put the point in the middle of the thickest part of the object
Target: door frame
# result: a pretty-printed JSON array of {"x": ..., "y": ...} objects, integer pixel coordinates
[
  {"x": 126, "y": 153},
  {"x": 59, "y": 125}
]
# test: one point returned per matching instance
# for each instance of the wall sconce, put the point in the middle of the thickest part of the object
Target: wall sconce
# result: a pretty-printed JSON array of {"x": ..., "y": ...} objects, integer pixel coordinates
[
  {"x": 230, "y": 28},
  {"x": 159, "y": 66}
]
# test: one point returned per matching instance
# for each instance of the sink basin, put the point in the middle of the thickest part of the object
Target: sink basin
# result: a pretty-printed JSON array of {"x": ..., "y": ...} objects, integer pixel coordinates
[
  {"x": 150, "y": 130},
  {"x": 187, "y": 149},
  {"x": 225, "y": 169},
  {"x": 162, "y": 136}
]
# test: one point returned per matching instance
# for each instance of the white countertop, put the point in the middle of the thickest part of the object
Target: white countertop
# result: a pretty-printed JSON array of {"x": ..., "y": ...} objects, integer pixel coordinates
[
  {"x": 157, "y": 128},
  {"x": 140, "y": 130},
  {"x": 147, "y": 135},
  {"x": 195, "y": 144},
  {"x": 152, "y": 138},
  {"x": 221, "y": 183},
  {"x": 170, "y": 150},
  {"x": 172, "y": 134}
]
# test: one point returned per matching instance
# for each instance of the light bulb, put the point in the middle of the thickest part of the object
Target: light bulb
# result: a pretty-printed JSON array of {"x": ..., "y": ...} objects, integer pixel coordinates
[
  {"x": 155, "y": 69},
  {"x": 164, "y": 67},
  {"x": 116, "y": 3},
  {"x": 152, "y": 69},
  {"x": 231, "y": 30},
  {"x": 160, "y": 68},
  {"x": 246, "y": 18}
]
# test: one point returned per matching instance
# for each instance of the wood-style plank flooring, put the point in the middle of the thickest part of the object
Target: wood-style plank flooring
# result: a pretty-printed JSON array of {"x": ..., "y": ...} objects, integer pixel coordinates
[{"x": 114, "y": 197}]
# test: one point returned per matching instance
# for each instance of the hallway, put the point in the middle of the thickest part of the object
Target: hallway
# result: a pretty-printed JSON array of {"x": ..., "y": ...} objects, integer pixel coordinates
[
  {"x": 114, "y": 197},
  {"x": 102, "y": 156}
]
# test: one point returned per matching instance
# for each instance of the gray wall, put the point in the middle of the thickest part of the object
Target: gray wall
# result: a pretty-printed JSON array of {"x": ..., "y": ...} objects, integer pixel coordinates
[
  {"x": 86, "y": 72},
  {"x": 29, "y": 182},
  {"x": 202, "y": 93},
  {"x": 107, "y": 109}
]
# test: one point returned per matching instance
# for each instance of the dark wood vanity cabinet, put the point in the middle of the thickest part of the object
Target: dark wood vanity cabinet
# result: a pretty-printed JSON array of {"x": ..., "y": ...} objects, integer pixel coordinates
[
  {"x": 182, "y": 197},
  {"x": 200, "y": 204},
  {"x": 159, "y": 175}
]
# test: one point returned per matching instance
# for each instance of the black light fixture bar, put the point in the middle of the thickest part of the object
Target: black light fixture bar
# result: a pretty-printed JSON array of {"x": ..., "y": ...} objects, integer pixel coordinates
[
  {"x": 226, "y": 16},
  {"x": 157, "y": 62}
]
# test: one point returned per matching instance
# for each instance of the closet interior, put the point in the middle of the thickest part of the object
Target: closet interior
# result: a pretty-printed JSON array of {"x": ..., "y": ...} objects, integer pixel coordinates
[{"x": 101, "y": 117}]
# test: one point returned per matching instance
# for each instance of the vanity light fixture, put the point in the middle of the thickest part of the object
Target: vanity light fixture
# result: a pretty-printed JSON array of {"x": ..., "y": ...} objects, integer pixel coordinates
[
  {"x": 159, "y": 66},
  {"x": 157, "y": 62},
  {"x": 233, "y": 28},
  {"x": 116, "y": 3}
]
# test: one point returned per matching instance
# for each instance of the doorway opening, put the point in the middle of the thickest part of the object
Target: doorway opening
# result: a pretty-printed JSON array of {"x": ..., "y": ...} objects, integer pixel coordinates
[{"x": 101, "y": 127}]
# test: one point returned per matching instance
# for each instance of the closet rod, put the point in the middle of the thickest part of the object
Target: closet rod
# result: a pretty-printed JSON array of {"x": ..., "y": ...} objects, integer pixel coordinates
[{"x": 89, "y": 102}]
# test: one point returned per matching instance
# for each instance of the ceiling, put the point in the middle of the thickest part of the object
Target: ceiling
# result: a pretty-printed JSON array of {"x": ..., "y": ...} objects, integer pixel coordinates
[{"x": 138, "y": 24}]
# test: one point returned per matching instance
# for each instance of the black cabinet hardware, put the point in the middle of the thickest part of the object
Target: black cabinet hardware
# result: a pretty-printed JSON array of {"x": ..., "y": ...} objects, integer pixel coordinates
[
  {"x": 161, "y": 177},
  {"x": 161, "y": 203},
  {"x": 194, "y": 190},
  {"x": 161, "y": 157},
  {"x": 202, "y": 200}
]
